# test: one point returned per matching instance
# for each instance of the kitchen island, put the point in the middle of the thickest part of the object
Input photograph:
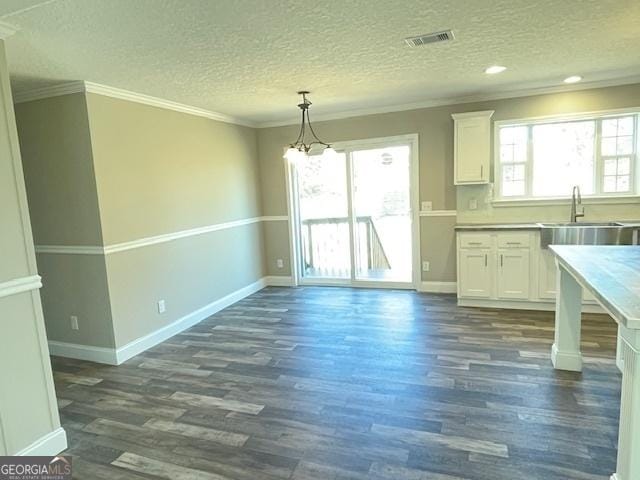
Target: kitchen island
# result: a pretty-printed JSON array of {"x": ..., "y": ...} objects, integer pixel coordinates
[{"x": 612, "y": 275}]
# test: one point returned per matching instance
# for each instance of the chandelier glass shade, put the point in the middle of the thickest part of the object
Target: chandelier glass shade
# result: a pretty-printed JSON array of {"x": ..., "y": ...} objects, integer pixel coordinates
[{"x": 307, "y": 138}]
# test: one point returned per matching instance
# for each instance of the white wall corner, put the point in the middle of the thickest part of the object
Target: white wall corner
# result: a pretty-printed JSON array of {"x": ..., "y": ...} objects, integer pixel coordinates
[
  {"x": 438, "y": 287},
  {"x": 6, "y": 30},
  {"x": 51, "y": 444}
]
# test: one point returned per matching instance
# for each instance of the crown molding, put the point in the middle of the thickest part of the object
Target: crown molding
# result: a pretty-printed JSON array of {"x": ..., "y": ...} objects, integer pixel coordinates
[
  {"x": 6, "y": 30},
  {"x": 161, "y": 103},
  {"x": 48, "y": 92},
  {"x": 99, "y": 89},
  {"x": 516, "y": 93},
  {"x": 104, "y": 90}
]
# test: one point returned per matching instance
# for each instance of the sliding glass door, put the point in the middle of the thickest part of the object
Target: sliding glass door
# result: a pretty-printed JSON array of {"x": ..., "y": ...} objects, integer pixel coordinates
[
  {"x": 323, "y": 203},
  {"x": 382, "y": 211},
  {"x": 354, "y": 217}
]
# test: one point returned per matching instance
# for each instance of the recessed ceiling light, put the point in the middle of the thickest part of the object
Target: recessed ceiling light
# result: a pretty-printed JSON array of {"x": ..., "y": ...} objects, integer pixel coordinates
[
  {"x": 573, "y": 79},
  {"x": 495, "y": 69}
]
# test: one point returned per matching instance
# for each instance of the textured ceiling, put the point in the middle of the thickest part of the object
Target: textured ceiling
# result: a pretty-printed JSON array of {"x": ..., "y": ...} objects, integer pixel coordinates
[{"x": 247, "y": 58}]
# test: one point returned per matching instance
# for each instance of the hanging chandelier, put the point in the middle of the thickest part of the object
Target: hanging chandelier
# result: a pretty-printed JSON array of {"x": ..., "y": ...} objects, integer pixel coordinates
[{"x": 300, "y": 148}]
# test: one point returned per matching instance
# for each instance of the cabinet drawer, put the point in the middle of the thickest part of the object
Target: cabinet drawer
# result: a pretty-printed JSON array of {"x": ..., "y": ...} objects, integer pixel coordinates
[
  {"x": 514, "y": 240},
  {"x": 475, "y": 240}
]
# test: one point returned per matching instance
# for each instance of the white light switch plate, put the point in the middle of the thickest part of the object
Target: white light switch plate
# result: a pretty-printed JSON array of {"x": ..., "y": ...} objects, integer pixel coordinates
[
  {"x": 280, "y": 263},
  {"x": 74, "y": 322},
  {"x": 473, "y": 204},
  {"x": 426, "y": 266},
  {"x": 162, "y": 307}
]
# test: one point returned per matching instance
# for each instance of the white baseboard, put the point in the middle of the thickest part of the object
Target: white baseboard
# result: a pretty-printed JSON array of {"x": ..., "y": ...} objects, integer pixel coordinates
[
  {"x": 112, "y": 356},
  {"x": 83, "y": 352},
  {"x": 51, "y": 444},
  {"x": 278, "y": 281},
  {"x": 566, "y": 360},
  {"x": 151, "y": 340},
  {"x": 438, "y": 287}
]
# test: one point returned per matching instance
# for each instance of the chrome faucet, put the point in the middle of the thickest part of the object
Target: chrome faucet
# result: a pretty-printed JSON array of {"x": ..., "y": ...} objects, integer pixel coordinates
[{"x": 576, "y": 200}]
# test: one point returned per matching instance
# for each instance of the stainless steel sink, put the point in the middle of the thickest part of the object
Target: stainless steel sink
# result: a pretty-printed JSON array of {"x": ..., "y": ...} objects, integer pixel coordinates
[{"x": 585, "y": 233}]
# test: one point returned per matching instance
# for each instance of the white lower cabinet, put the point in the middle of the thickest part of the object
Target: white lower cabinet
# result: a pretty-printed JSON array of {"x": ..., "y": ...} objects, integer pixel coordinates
[
  {"x": 475, "y": 273},
  {"x": 513, "y": 274},
  {"x": 506, "y": 269},
  {"x": 546, "y": 275}
]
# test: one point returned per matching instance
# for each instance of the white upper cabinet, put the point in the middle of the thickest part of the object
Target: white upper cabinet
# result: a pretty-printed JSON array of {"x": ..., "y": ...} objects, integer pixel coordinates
[{"x": 472, "y": 147}]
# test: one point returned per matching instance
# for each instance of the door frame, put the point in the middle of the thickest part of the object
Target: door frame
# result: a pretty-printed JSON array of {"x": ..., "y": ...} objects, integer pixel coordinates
[{"x": 412, "y": 140}]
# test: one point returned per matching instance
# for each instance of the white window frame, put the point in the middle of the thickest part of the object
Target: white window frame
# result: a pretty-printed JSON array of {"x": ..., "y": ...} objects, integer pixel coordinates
[{"x": 528, "y": 197}]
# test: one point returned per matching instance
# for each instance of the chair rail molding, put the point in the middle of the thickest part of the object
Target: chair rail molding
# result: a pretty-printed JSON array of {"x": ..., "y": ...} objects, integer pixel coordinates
[
  {"x": 20, "y": 285},
  {"x": 146, "y": 241},
  {"x": 438, "y": 213}
]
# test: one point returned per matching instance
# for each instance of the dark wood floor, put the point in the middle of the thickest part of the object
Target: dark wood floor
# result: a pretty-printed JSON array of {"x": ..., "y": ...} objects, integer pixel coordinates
[{"x": 337, "y": 383}]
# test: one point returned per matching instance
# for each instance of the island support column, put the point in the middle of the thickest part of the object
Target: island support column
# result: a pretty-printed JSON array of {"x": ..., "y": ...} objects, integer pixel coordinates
[
  {"x": 565, "y": 352},
  {"x": 628, "y": 467}
]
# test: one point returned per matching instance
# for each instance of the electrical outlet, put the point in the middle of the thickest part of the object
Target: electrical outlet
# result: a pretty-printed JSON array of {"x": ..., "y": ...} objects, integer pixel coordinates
[
  {"x": 161, "y": 306},
  {"x": 74, "y": 322},
  {"x": 426, "y": 206},
  {"x": 426, "y": 266},
  {"x": 473, "y": 204},
  {"x": 280, "y": 263}
]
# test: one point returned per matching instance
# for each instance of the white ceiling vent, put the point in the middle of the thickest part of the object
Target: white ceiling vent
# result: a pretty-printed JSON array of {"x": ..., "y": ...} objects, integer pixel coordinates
[{"x": 435, "y": 37}]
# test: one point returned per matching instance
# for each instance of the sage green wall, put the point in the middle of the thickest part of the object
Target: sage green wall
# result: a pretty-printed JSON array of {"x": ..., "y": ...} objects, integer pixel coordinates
[
  {"x": 158, "y": 172},
  {"x": 59, "y": 173},
  {"x": 28, "y": 408},
  {"x": 435, "y": 129}
]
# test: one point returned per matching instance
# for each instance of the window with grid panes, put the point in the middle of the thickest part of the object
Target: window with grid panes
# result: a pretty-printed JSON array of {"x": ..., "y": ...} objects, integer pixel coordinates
[{"x": 545, "y": 159}]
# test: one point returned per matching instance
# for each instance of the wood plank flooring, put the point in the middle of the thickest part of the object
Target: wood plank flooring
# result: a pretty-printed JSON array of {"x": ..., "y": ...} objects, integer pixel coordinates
[{"x": 338, "y": 383}]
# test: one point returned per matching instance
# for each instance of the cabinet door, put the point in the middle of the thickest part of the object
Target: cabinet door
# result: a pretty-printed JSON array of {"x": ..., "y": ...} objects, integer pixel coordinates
[
  {"x": 547, "y": 278},
  {"x": 472, "y": 150},
  {"x": 475, "y": 273},
  {"x": 547, "y": 275},
  {"x": 513, "y": 274}
]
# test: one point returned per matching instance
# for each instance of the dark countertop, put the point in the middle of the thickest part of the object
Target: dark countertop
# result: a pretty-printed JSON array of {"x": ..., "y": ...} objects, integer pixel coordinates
[
  {"x": 610, "y": 273},
  {"x": 521, "y": 226},
  {"x": 497, "y": 226}
]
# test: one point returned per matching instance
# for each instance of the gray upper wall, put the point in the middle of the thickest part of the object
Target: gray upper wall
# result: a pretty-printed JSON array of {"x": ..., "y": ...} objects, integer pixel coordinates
[
  {"x": 145, "y": 171},
  {"x": 58, "y": 167},
  {"x": 435, "y": 128},
  {"x": 159, "y": 171}
]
